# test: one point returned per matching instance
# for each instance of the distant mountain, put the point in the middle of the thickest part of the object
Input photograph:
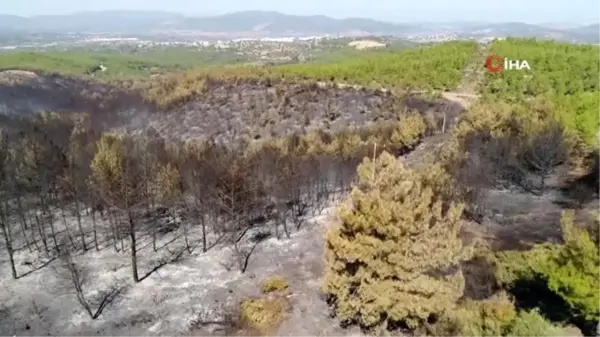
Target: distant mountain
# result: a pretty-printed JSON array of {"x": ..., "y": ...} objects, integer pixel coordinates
[
  {"x": 587, "y": 29},
  {"x": 96, "y": 22},
  {"x": 558, "y": 25},
  {"x": 12, "y": 22},
  {"x": 519, "y": 29},
  {"x": 264, "y": 23},
  {"x": 589, "y": 33},
  {"x": 282, "y": 23},
  {"x": 145, "y": 21}
]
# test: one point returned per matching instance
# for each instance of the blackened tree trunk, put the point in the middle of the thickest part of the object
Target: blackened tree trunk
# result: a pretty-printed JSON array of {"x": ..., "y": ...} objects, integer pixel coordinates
[
  {"x": 133, "y": 247},
  {"x": 8, "y": 241}
]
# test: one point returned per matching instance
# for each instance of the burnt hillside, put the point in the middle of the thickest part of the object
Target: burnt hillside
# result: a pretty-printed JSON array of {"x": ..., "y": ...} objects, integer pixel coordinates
[
  {"x": 222, "y": 111},
  {"x": 24, "y": 93}
]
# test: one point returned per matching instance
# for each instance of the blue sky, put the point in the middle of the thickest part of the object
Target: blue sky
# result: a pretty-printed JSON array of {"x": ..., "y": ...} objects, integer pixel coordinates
[{"x": 535, "y": 11}]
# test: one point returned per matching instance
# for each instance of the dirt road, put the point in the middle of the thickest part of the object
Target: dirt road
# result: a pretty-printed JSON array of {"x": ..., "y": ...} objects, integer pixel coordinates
[{"x": 464, "y": 99}]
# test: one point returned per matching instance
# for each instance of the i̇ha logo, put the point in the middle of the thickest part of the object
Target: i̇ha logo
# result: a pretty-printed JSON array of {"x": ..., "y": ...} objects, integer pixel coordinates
[{"x": 496, "y": 63}]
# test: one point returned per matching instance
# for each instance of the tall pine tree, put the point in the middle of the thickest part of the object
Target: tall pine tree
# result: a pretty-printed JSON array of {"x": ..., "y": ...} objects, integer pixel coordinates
[{"x": 394, "y": 258}]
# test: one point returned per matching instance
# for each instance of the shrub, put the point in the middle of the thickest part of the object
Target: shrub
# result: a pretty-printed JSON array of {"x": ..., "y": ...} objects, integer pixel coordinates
[
  {"x": 495, "y": 316},
  {"x": 276, "y": 283},
  {"x": 566, "y": 273},
  {"x": 514, "y": 266},
  {"x": 573, "y": 273},
  {"x": 409, "y": 131},
  {"x": 531, "y": 323},
  {"x": 394, "y": 257},
  {"x": 264, "y": 314},
  {"x": 489, "y": 317}
]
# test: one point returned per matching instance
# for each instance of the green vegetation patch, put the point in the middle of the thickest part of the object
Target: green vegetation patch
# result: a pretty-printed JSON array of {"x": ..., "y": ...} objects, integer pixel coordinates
[
  {"x": 557, "y": 68},
  {"x": 438, "y": 67},
  {"x": 564, "y": 79},
  {"x": 496, "y": 316},
  {"x": 552, "y": 276},
  {"x": 119, "y": 65}
]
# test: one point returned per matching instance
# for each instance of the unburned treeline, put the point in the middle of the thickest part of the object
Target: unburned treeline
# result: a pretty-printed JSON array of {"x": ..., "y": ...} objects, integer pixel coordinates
[{"x": 564, "y": 79}]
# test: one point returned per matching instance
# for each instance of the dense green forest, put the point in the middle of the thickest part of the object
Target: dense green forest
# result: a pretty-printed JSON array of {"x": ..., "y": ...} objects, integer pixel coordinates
[
  {"x": 345, "y": 53},
  {"x": 437, "y": 67},
  {"x": 564, "y": 77},
  {"x": 556, "y": 68}
]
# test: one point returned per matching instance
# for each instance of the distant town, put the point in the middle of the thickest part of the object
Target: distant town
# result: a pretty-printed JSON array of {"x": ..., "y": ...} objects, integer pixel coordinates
[{"x": 109, "y": 41}]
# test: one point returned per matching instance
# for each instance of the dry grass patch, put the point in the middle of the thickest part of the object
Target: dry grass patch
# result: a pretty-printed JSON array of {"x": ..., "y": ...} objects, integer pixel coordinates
[{"x": 275, "y": 283}]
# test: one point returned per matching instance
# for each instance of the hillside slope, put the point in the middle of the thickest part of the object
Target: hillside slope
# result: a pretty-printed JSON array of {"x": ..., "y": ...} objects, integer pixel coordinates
[
  {"x": 245, "y": 109},
  {"x": 201, "y": 290}
]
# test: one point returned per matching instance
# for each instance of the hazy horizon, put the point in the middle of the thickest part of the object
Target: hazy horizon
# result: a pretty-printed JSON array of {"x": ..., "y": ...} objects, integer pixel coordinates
[{"x": 576, "y": 12}]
